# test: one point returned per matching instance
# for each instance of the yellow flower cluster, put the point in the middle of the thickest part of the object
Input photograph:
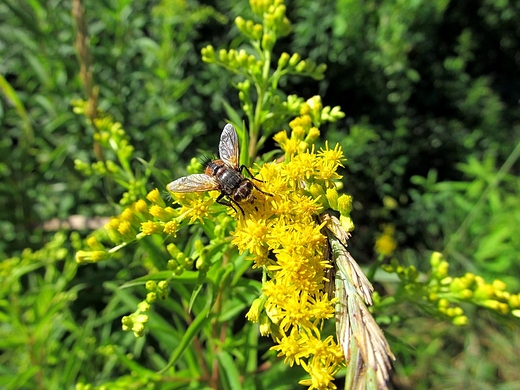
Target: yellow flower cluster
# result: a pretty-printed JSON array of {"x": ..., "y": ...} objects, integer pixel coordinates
[
  {"x": 136, "y": 221},
  {"x": 136, "y": 322},
  {"x": 283, "y": 234},
  {"x": 445, "y": 293},
  {"x": 155, "y": 218},
  {"x": 281, "y": 229},
  {"x": 386, "y": 243},
  {"x": 469, "y": 288}
]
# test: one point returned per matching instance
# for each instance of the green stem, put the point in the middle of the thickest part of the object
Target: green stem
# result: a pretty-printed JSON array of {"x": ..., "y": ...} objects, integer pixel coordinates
[{"x": 261, "y": 90}]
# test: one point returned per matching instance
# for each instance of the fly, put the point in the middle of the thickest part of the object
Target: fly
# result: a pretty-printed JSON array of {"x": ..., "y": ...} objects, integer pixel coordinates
[{"x": 224, "y": 175}]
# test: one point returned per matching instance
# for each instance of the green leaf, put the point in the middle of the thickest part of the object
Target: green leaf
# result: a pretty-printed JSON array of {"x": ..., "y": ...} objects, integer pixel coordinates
[
  {"x": 228, "y": 368},
  {"x": 12, "y": 96},
  {"x": 193, "y": 330}
]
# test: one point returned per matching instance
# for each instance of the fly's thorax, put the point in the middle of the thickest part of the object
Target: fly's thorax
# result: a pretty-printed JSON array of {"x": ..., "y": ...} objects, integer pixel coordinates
[
  {"x": 231, "y": 182},
  {"x": 212, "y": 168}
]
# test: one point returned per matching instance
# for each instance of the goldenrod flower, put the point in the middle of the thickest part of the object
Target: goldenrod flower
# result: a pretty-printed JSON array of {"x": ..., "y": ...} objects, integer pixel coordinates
[
  {"x": 171, "y": 227},
  {"x": 91, "y": 257},
  {"x": 126, "y": 229},
  {"x": 282, "y": 229},
  {"x": 283, "y": 233},
  {"x": 386, "y": 243},
  {"x": 195, "y": 205},
  {"x": 140, "y": 207},
  {"x": 94, "y": 243},
  {"x": 155, "y": 197},
  {"x": 292, "y": 347},
  {"x": 252, "y": 237},
  {"x": 151, "y": 227}
]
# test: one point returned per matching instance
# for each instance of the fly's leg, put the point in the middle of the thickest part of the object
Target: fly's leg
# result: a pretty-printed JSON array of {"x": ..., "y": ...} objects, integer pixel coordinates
[
  {"x": 259, "y": 190},
  {"x": 242, "y": 167},
  {"x": 224, "y": 202}
]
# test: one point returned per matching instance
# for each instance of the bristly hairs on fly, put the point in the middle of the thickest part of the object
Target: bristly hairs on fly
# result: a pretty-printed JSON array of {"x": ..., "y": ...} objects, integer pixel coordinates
[{"x": 206, "y": 159}]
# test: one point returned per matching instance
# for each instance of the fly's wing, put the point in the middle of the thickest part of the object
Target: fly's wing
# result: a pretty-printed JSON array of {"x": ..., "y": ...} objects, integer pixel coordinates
[
  {"x": 228, "y": 147},
  {"x": 193, "y": 183}
]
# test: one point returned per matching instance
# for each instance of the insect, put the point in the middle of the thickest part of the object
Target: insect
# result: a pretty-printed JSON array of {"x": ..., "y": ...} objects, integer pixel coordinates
[{"x": 224, "y": 175}]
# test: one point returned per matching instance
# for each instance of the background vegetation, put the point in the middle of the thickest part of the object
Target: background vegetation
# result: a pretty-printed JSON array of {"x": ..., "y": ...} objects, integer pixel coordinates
[{"x": 430, "y": 90}]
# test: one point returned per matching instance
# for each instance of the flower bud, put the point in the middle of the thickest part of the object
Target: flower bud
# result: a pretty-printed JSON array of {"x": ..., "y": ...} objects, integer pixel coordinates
[
  {"x": 436, "y": 259},
  {"x": 208, "y": 54},
  {"x": 345, "y": 204},
  {"x": 172, "y": 249},
  {"x": 281, "y": 137},
  {"x": 93, "y": 243},
  {"x": 460, "y": 320},
  {"x": 301, "y": 66},
  {"x": 144, "y": 306},
  {"x": 283, "y": 60},
  {"x": 240, "y": 22},
  {"x": 223, "y": 55},
  {"x": 242, "y": 58},
  {"x": 347, "y": 223},
  {"x": 268, "y": 42},
  {"x": 257, "y": 31},
  {"x": 332, "y": 197},
  {"x": 150, "y": 227},
  {"x": 91, "y": 256},
  {"x": 294, "y": 60},
  {"x": 312, "y": 135},
  {"x": 151, "y": 297},
  {"x": 499, "y": 285},
  {"x": 154, "y": 197},
  {"x": 138, "y": 329},
  {"x": 255, "y": 310},
  {"x": 171, "y": 227},
  {"x": 317, "y": 192},
  {"x": 265, "y": 325},
  {"x": 320, "y": 69}
]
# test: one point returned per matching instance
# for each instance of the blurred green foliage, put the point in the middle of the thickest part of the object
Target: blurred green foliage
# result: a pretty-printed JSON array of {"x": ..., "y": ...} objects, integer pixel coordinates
[
  {"x": 44, "y": 344},
  {"x": 424, "y": 85},
  {"x": 430, "y": 90},
  {"x": 475, "y": 220}
]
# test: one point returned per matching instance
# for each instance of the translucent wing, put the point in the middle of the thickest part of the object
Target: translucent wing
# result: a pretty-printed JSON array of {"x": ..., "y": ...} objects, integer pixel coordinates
[
  {"x": 228, "y": 147},
  {"x": 193, "y": 183}
]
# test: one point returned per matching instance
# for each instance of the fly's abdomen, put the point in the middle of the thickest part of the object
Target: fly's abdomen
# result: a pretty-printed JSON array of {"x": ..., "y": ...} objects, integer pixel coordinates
[
  {"x": 229, "y": 180},
  {"x": 244, "y": 191}
]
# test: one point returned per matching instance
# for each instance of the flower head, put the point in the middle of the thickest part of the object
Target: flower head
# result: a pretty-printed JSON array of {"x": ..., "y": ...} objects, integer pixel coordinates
[{"x": 284, "y": 234}]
